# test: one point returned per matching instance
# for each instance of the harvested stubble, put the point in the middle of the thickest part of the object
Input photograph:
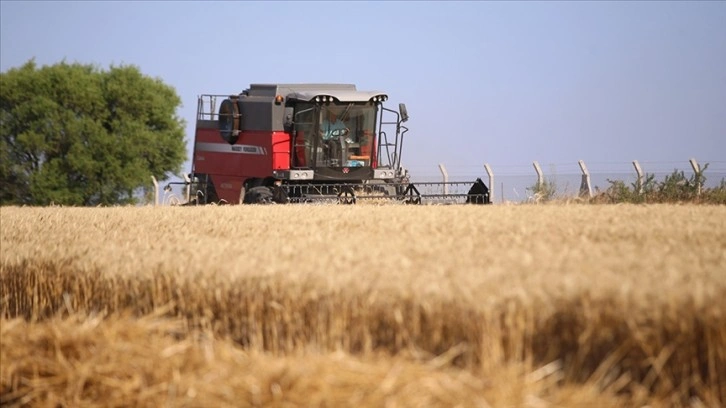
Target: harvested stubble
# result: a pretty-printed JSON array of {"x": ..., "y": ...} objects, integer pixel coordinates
[{"x": 591, "y": 301}]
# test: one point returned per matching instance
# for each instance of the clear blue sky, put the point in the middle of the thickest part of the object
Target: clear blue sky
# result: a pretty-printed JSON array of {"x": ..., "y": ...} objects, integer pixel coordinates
[{"x": 499, "y": 82}]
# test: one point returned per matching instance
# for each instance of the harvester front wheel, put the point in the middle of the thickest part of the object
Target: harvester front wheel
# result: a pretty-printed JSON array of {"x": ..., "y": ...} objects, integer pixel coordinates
[
  {"x": 265, "y": 195},
  {"x": 258, "y": 195}
]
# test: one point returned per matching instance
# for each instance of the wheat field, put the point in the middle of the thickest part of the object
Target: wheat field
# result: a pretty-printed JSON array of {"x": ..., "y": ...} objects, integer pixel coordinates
[{"x": 382, "y": 306}]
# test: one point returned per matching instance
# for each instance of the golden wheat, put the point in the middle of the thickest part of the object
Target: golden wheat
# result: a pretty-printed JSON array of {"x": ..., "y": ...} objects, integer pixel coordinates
[
  {"x": 586, "y": 304},
  {"x": 122, "y": 362}
]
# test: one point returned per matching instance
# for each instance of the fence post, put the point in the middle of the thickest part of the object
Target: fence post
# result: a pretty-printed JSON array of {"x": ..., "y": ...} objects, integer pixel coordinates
[
  {"x": 540, "y": 177},
  {"x": 639, "y": 172},
  {"x": 446, "y": 177},
  {"x": 491, "y": 181},
  {"x": 697, "y": 174},
  {"x": 156, "y": 191},
  {"x": 585, "y": 186}
]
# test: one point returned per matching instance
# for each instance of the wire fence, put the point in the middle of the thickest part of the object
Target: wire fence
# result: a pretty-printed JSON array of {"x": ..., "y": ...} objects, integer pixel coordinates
[{"x": 517, "y": 183}]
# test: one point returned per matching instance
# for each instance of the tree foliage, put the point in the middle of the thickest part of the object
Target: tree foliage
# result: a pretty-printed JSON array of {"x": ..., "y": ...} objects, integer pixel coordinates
[{"x": 72, "y": 134}]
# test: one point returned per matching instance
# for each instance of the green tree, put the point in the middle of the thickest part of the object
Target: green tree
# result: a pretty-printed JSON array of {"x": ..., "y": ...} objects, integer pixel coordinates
[{"x": 72, "y": 134}]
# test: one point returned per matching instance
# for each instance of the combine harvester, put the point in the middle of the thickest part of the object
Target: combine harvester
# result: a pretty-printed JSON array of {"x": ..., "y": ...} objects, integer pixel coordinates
[{"x": 280, "y": 143}]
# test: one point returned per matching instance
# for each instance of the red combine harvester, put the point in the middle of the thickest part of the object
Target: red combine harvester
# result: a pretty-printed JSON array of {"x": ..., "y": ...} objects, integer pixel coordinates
[{"x": 307, "y": 142}]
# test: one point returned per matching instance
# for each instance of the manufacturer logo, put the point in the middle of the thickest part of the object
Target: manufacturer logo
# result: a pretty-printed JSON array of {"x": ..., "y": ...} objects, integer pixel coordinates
[{"x": 346, "y": 170}]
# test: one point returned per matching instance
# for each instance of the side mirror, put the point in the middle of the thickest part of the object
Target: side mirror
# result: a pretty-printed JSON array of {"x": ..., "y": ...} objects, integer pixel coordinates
[{"x": 404, "y": 112}]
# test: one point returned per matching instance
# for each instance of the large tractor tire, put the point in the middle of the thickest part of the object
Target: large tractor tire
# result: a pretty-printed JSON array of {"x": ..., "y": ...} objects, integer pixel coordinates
[
  {"x": 258, "y": 195},
  {"x": 265, "y": 195}
]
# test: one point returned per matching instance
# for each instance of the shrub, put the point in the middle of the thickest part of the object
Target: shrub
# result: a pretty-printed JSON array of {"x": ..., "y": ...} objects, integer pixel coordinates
[
  {"x": 543, "y": 192},
  {"x": 676, "y": 187}
]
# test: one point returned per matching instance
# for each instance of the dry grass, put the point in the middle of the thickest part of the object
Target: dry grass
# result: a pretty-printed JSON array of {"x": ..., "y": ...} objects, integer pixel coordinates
[{"x": 562, "y": 305}]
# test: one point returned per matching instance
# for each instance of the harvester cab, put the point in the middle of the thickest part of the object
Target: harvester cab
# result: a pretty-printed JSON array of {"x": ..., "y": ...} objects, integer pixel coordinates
[{"x": 303, "y": 143}]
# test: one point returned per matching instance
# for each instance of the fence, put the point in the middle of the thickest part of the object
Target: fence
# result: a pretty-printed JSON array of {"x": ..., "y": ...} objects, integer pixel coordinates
[{"x": 518, "y": 183}]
